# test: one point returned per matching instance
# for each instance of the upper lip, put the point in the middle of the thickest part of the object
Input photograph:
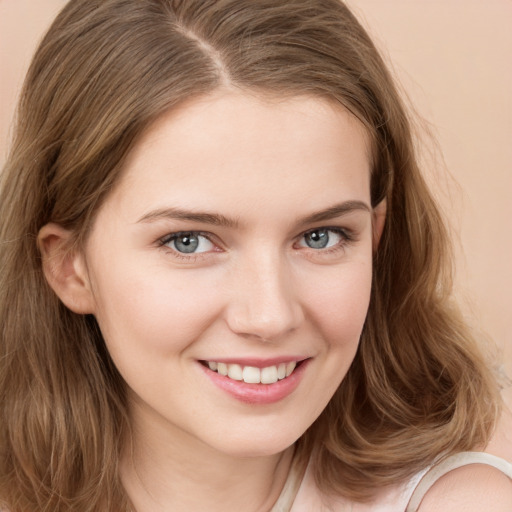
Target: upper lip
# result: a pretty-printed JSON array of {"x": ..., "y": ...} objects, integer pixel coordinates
[{"x": 257, "y": 362}]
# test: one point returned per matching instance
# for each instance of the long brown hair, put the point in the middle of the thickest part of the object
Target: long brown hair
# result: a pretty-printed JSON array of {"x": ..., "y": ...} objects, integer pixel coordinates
[{"x": 105, "y": 71}]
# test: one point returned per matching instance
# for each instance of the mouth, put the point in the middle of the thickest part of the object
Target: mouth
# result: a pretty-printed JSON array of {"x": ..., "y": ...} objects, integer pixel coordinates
[{"x": 253, "y": 374}]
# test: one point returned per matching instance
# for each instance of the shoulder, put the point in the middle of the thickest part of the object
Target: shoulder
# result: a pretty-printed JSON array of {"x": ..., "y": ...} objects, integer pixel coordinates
[{"x": 470, "y": 488}]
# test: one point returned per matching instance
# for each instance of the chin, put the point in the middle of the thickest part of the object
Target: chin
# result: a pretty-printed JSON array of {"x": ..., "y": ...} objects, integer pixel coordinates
[{"x": 257, "y": 444}]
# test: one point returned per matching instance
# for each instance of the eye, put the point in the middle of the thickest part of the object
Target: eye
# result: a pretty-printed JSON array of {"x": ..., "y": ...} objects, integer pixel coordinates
[
  {"x": 322, "y": 238},
  {"x": 190, "y": 242}
]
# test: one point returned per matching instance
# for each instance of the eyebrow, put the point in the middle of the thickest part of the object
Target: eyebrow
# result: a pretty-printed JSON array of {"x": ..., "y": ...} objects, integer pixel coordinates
[
  {"x": 337, "y": 210},
  {"x": 216, "y": 219}
]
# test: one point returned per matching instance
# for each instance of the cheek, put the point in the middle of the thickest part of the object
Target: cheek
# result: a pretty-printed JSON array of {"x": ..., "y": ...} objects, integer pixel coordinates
[
  {"x": 151, "y": 311},
  {"x": 339, "y": 306}
]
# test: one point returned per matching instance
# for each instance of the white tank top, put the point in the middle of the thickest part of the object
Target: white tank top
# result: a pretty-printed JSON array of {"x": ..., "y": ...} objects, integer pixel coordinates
[
  {"x": 300, "y": 493},
  {"x": 455, "y": 461}
]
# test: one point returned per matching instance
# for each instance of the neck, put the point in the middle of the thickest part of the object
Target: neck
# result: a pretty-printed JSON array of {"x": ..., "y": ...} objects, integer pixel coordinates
[{"x": 168, "y": 469}]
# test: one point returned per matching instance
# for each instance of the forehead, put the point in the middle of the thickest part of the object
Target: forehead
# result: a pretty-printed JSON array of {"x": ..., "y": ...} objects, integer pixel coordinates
[
  {"x": 234, "y": 145},
  {"x": 237, "y": 117}
]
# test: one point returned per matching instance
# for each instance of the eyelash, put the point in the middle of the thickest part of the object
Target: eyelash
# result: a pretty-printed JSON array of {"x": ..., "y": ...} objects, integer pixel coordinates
[
  {"x": 190, "y": 257},
  {"x": 346, "y": 238}
]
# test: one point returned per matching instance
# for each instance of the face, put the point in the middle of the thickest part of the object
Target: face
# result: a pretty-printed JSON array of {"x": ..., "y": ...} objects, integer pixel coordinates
[{"x": 238, "y": 242}]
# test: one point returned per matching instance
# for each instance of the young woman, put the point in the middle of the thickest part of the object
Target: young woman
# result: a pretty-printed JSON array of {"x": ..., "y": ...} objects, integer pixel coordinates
[{"x": 224, "y": 282}]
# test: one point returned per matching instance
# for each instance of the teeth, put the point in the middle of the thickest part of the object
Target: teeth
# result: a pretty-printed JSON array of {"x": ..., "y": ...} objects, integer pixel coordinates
[
  {"x": 235, "y": 372},
  {"x": 269, "y": 375},
  {"x": 222, "y": 368},
  {"x": 253, "y": 375},
  {"x": 290, "y": 367}
]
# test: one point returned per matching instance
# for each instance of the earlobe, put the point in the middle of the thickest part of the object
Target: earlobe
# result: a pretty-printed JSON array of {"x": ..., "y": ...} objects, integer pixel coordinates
[
  {"x": 378, "y": 222},
  {"x": 65, "y": 269}
]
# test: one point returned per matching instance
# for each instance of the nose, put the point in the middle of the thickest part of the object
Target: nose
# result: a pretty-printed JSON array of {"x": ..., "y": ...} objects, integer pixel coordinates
[{"x": 264, "y": 304}]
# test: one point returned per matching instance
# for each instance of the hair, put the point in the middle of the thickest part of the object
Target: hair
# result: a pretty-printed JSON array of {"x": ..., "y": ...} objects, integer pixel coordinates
[{"x": 418, "y": 387}]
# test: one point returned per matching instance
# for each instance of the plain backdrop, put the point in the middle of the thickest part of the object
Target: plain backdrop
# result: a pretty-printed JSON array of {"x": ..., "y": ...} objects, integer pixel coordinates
[{"x": 452, "y": 59}]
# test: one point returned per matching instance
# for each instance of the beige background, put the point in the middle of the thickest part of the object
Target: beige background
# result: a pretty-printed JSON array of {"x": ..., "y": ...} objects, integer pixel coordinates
[{"x": 452, "y": 57}]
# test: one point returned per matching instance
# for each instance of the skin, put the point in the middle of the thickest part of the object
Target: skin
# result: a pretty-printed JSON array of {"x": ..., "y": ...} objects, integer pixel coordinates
[
  {"x": 473, "y": 488},
  {"x": 256, "y": 289}
]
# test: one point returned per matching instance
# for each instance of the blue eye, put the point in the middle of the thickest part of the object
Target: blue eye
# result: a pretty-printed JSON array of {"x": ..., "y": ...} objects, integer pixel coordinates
[
  {"x": 321, "y": 238},
  {"x": 188, "y": 242}
]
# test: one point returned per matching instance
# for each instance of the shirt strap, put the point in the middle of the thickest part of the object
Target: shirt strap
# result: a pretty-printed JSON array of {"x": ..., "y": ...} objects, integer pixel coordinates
[
  {"x": 291, "y": 486},
  {"x": 449, "y": 464}
]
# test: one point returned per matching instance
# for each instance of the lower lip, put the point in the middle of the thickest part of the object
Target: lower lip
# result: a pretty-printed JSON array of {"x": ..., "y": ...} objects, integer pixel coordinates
[{"x": 258, "y": 393}]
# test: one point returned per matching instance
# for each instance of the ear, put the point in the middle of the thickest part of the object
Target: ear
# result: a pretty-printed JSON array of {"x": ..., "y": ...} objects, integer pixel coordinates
[
  {"x": 65, "y": 269},
  {"x": 378, "y": 222}
]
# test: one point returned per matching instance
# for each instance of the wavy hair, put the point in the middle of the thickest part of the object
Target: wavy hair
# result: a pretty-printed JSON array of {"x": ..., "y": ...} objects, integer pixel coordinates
[{"x": 104, "y": 72}]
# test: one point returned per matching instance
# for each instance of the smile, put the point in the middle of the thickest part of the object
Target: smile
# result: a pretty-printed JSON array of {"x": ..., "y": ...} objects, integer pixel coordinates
[
  {"x": 257, "y": 382},
  {"x": 252, "y": 374}
]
